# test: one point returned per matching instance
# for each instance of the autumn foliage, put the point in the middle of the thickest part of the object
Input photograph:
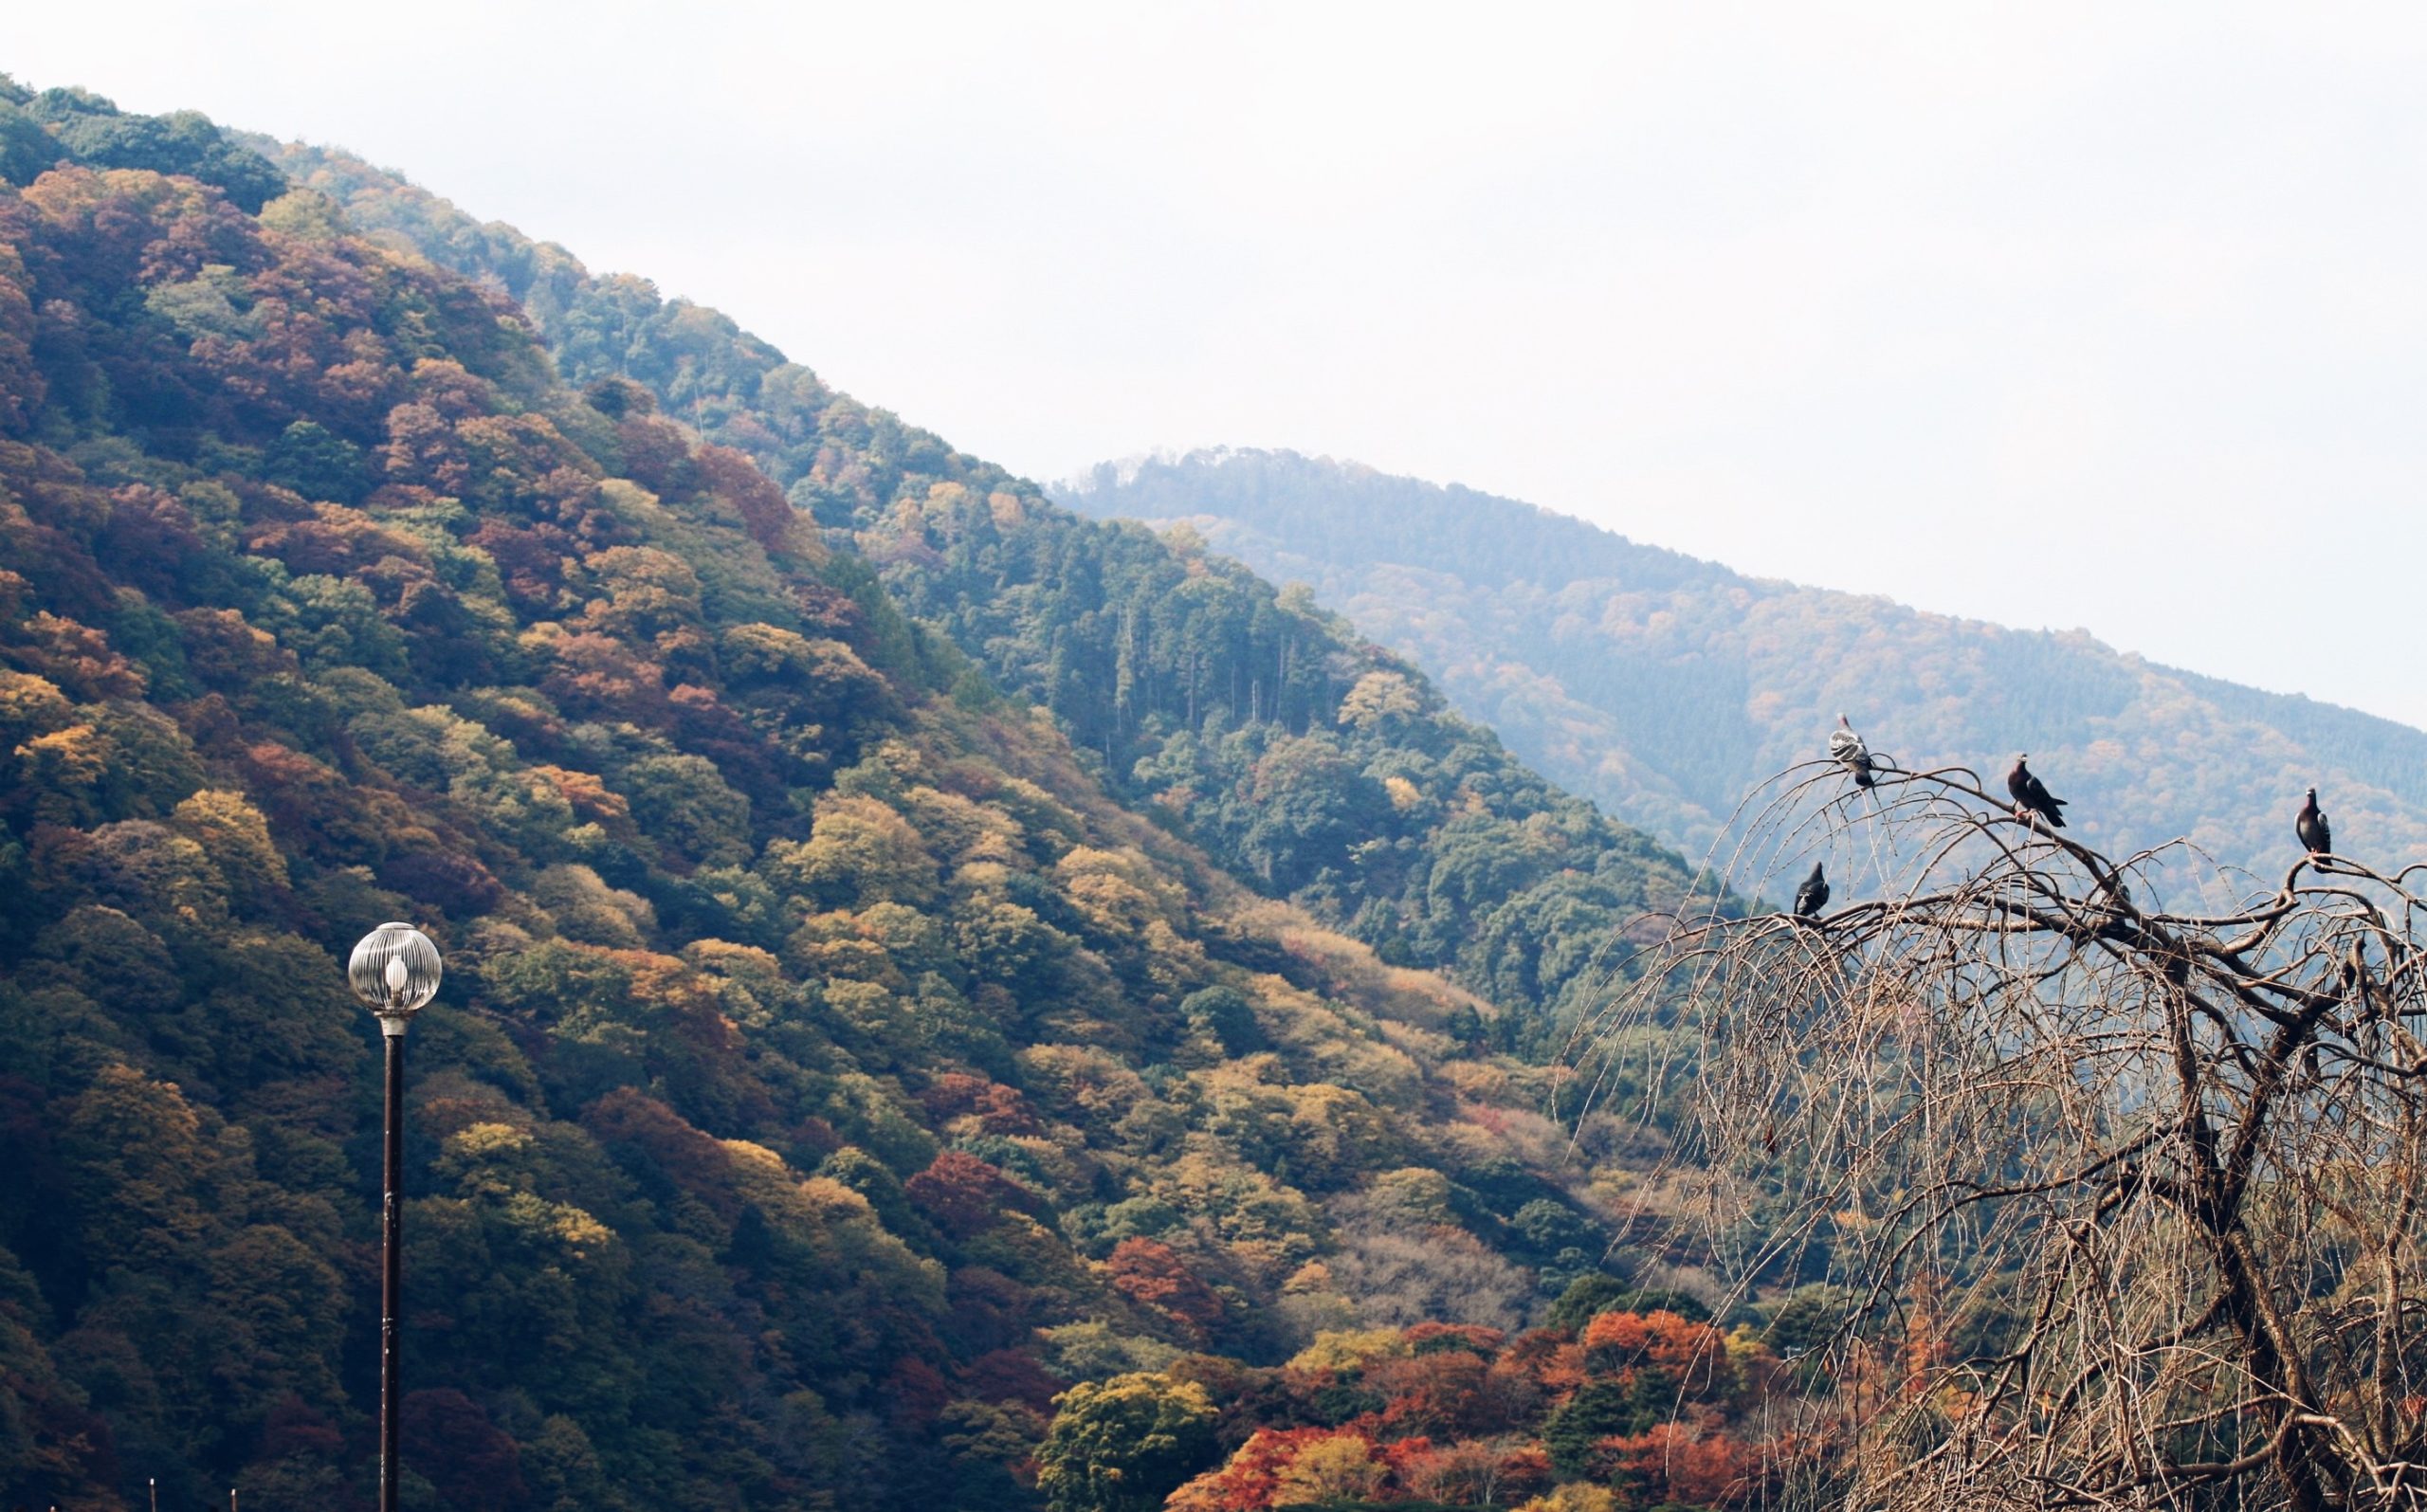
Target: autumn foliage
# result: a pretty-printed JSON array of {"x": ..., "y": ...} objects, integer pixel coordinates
[{"x": 836, "y": 1067}]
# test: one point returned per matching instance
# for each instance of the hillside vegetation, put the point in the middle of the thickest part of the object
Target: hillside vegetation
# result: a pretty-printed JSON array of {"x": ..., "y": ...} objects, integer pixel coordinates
[
  {"x": 1664, "y": 688},
  {"x": 836, "y": 1060},
  {"x": 1309, "y": 761}
]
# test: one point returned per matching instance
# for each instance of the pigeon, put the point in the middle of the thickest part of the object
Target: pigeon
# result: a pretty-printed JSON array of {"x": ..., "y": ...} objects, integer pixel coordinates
[
  {"x": 2032, "y": 795},
  {"x": 1812, "y": 896},
  {"x": 1847, "y": 750},
  {"x": 2312, "y": 827}
]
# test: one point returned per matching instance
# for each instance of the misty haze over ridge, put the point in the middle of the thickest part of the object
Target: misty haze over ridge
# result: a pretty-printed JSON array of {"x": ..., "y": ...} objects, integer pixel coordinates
[
  {"x": 2150, "y": 280},
  {"x": 1665, "y": 686}
]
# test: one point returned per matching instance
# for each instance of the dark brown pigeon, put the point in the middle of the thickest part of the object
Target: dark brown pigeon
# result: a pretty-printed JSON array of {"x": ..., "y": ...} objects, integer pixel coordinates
[
  {"x": 2031, "y": 795},
  {"x": 2312, "y": 827},
  {"x": 1813, "y": 895},
  {"x": 1847, "y": 750}
]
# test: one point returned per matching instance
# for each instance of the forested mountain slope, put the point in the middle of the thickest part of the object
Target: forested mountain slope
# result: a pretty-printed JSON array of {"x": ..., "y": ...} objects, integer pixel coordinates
[
  {"x": 1310, "y": 762},
  {"x": 1664, "y": 688},
  {"x": 829, "y": 1071}
]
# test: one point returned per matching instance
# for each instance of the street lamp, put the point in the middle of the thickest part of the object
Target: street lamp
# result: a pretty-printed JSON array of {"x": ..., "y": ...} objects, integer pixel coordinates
[{"x": 396, "y": 971}]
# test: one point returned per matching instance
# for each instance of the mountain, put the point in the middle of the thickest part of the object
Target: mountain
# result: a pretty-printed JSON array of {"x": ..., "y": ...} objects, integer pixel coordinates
[
  {"x": 1311, "y": 764},
  {"x": 854, "y": 1084},
  {"x": 1666, "y": 687}
]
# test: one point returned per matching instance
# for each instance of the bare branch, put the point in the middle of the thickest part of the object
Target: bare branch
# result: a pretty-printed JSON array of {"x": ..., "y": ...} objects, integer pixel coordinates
[{"x": 2124, "y": 1189}]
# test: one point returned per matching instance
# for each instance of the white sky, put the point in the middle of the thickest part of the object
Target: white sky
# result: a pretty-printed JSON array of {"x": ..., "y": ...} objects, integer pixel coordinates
[{"x": 2069, "y": 316}]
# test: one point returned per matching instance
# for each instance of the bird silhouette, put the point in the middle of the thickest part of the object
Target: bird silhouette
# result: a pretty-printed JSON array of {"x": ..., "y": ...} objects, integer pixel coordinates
[
  {"x": 1847, "y": 750},
  {"x": 1813, "y": 895},
  {"x": 2032, "y": 795},
  {"x": 2312, "y": 827}
]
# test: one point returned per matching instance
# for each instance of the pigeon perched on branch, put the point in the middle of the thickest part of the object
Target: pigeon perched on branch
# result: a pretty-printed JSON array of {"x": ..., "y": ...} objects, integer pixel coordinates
[
  {"x": 1813, "y": 895},
  {"x": 1847, "y": 750},
  {"x": 2031, "y": 795},
  {"x": 2312, "y": 827}
]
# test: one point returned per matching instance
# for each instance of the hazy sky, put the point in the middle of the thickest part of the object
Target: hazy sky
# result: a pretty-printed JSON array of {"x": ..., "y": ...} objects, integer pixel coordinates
[{"x": 2099, "y": 316}]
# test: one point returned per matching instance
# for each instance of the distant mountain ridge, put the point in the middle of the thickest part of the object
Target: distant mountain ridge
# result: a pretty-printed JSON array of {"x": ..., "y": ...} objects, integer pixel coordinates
[{"x": 1665, "y": 686}]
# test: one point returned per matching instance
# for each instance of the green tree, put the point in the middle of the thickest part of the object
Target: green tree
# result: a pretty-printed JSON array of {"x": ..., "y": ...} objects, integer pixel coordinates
[
  {"x": 1224, "y": 1015},
  {"x": 1126, "y": 1444},
  {"x": 685, "y": 804},
  {"x": 1602, "y": 1409},
  {"x": 185, "y": 141},
  {"x": 25, "y": 148},
  {"x": 317, "y": 463}
]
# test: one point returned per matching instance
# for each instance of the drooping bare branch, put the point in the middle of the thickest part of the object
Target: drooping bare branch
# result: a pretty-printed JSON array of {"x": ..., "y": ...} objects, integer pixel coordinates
[{"x": 2117, "y": 1159}]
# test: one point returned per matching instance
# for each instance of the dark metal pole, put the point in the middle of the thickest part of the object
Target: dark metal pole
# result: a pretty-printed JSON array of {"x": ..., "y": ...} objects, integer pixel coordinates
[{"x": 391, "y": 1262}]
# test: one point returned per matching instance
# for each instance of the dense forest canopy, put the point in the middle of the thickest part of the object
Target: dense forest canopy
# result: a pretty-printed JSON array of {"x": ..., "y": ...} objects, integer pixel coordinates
[
  {"x": 839, "y": 1060},
  {"x": 1666, "y": 687},
  {"x": 1306, "y": 759}
]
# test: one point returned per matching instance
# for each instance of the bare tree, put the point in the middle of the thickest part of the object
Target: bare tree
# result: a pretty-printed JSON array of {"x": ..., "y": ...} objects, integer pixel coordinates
[
  {"x": 1405, "y": 1276},
  {"x": 2125, "y": 1194}
]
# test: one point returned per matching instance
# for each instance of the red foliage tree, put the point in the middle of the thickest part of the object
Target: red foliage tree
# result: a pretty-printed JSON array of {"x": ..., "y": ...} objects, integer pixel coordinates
[
  {"x": 1544, "y": 1361},
  {"x": 653, "y": 1140},
  {"x": 1445, "y": 1393},
  {"x": 1425, "y": 1338},
  {"x": 474, "y": 1465},
  {"x": 915, "y": 1391},
  {"x": 1151, "y": 1273},
  {"x": 999, "y": 1109},
  {"x": 964, "y": 1194},
  {"x": 1010, "y": 1375},
  {"x": 1695, "y": 1353},
  {"x": 1246, "y": 1484},
  {"x": 1676, "y": 1461},
  {"x": 733, "y": 478}
]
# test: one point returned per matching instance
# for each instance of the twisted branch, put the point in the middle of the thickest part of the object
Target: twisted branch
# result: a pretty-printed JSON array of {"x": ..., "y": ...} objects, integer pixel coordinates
[{"x": 2144, "y": 1167}]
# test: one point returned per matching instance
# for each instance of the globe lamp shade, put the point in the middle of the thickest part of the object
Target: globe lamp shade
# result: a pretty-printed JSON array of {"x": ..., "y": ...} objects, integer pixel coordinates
[{"x": 395, "y": 970}]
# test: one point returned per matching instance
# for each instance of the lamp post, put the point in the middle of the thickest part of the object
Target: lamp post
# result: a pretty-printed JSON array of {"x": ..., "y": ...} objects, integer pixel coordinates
[{"x": 396, "y": 971}]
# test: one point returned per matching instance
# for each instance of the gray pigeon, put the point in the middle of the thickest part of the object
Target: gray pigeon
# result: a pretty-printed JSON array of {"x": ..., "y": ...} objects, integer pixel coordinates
[
  {"x": 1813, "y": 895},
  {"x": 1847, "y": 750}
]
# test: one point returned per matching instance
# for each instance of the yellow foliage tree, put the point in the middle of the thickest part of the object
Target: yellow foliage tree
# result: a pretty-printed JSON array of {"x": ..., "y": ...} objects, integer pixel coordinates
[
  {"x": 1349, "y": 1350},
  {"x": 1574, "y": 1497},
  {"x": 1330, "y": 1469},
  {"x": 860, "y": 852},
  {"x": 236, "y": 838}
]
